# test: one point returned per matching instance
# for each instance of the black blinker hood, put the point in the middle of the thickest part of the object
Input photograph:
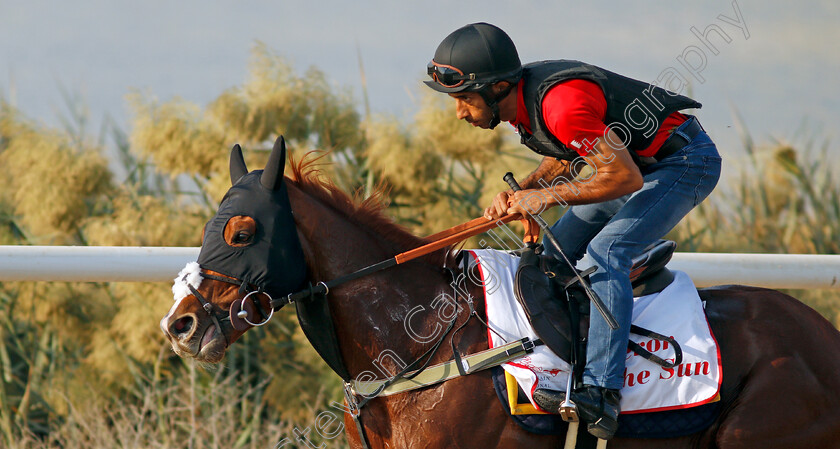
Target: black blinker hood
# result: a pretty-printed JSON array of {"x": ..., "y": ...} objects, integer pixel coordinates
[{"x": 273, "y": 262}]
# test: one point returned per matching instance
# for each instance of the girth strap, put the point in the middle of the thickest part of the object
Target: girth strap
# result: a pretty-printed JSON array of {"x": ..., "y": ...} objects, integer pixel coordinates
[
  {"x": 442, "y": 372},
  {"x": 411, "y": 370}
]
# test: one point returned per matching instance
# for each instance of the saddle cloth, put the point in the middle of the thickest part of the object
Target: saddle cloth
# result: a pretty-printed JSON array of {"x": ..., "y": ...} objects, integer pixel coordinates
[{"x": 676, "y": 311}]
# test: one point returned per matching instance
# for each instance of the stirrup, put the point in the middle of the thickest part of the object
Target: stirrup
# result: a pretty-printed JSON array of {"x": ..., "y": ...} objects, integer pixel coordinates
[
  {"x": 568, "y": 412},
  {"x": 568, "y": 409}
]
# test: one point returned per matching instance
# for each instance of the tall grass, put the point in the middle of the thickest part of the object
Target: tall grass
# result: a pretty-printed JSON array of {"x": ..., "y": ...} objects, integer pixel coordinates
[
  {"x": 171, "y": 404},
  {"x": 199, "y": 410},
  {"x": 784, "y": 198}
]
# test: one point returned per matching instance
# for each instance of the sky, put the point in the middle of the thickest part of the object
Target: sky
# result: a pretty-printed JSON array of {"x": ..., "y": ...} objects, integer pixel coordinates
[{"x": 772, "y": 62}]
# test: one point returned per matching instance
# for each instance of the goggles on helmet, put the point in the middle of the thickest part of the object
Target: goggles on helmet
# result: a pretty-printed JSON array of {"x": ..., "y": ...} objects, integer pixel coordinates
[{"x": 446, "y": 75}]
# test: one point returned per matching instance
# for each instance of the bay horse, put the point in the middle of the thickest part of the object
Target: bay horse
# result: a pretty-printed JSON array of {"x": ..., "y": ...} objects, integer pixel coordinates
[{"x": 780, "y": 359}]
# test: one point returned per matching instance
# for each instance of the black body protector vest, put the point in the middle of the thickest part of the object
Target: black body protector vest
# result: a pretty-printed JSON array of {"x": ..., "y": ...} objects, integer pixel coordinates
[{"x": 635, "y": 109}]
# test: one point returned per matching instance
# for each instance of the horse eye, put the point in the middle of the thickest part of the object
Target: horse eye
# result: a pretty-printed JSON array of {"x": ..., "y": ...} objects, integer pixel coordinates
[{"x": 242, "y": 237}]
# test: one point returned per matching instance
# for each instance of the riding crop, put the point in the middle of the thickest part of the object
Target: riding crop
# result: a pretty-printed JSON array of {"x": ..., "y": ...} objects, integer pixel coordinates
[{"x": 608, "y": 317}]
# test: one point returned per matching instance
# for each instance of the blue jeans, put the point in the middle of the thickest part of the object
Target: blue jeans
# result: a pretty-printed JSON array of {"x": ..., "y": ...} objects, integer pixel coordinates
[{"x": 614, "y": 232}]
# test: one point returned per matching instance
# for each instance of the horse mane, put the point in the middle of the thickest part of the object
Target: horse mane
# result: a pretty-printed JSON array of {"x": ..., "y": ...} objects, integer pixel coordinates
[{"x": 367, "y": 212}]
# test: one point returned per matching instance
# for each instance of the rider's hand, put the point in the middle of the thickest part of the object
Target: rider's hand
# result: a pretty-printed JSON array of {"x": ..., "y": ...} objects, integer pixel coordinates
[
  {"x": 499, "y": 207},
  {"x": 529, "y": 202}
]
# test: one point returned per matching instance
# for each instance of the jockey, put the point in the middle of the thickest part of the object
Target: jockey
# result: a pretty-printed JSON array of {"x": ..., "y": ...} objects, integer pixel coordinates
[{"x": 649, "y": 166}]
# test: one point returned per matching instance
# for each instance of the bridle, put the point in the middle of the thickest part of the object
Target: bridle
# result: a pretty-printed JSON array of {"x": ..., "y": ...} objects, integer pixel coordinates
[
  {"x": 209, "y": 308},
  {"x": 322, "y": 288},
  {"x": 438, "y": 241}
]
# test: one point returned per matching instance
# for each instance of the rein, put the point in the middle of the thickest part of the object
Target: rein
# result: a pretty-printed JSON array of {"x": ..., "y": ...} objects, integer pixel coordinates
[{"x": 439, "y": 240}]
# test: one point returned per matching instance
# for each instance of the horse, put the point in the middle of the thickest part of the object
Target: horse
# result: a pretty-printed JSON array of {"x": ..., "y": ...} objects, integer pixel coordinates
[{"x": 780, "y": 358}]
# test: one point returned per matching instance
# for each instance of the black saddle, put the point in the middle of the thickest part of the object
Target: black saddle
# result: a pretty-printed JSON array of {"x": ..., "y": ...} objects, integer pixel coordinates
[
  {"x": 548, "y": 289},
  {"x": 648, "y": 273}
]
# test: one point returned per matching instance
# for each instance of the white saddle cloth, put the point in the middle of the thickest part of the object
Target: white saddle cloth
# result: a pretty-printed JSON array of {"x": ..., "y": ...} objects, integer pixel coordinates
[{"x": 676, "y": 311}]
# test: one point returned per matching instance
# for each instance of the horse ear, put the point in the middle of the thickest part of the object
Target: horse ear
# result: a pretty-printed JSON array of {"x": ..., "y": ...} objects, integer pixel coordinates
[
  {"x": 237, "y": 164},
  {"x": 273, "y": 174}
]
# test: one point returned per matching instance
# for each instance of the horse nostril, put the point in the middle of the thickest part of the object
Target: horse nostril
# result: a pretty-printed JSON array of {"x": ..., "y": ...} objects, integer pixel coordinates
[{"x": 182, "y": 326}]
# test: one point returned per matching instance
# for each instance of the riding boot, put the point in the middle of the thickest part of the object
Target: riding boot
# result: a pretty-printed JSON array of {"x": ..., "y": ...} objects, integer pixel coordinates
[{"x": 599, "y": 407}]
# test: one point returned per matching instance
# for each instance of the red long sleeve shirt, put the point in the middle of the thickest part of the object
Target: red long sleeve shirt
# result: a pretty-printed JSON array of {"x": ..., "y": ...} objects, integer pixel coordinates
[{"x": 575, "y": 110}]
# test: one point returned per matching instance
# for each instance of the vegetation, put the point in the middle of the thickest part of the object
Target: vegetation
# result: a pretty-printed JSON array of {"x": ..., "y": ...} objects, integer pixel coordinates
[{"x": 84, "y": 365}]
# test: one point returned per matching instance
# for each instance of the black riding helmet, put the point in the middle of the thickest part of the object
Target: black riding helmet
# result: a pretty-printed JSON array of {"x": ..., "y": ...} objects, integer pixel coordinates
[{"x": 472, "y": 59}]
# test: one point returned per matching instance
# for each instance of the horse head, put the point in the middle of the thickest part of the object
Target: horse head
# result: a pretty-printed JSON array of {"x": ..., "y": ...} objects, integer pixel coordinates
[{"x": 250, "y": 253}]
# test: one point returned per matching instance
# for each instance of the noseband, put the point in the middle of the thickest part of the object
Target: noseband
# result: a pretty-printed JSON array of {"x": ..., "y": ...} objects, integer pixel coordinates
[
  {"x": 226, "y": 314},
  {"x": 208, "y": 307}
]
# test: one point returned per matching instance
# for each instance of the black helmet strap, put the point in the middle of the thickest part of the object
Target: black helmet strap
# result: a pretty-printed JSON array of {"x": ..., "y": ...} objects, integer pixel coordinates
[{"x": 492, "y": 101}]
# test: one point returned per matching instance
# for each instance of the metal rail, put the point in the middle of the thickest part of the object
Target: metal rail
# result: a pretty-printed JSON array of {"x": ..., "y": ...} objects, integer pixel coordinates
[{"x": 161, "y": 264}]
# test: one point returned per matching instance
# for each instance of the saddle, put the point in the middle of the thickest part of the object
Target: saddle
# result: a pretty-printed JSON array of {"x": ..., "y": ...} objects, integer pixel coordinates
[
  {"x": 548, "y": 288},
  {"x": 557, "y": 308}
]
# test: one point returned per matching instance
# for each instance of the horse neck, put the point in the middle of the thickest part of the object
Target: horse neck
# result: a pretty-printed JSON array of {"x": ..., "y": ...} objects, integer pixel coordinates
[{"x": 369, "y": 313}]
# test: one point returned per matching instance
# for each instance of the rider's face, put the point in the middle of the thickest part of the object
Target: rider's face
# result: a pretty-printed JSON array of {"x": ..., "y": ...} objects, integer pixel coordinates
[{"x": 470, "y": 106}]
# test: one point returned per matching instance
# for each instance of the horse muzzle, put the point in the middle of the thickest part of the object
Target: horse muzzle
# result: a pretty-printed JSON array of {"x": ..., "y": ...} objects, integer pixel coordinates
[{"x": 203, "y": 340}]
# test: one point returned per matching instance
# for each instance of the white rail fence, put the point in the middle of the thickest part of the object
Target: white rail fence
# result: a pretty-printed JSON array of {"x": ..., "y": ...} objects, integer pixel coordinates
[{"x": 161, "y": 264}]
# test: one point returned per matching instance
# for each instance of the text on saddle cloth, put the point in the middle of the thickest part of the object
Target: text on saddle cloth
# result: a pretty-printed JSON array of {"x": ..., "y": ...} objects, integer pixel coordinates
[{"x": 677, "y": 311}]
